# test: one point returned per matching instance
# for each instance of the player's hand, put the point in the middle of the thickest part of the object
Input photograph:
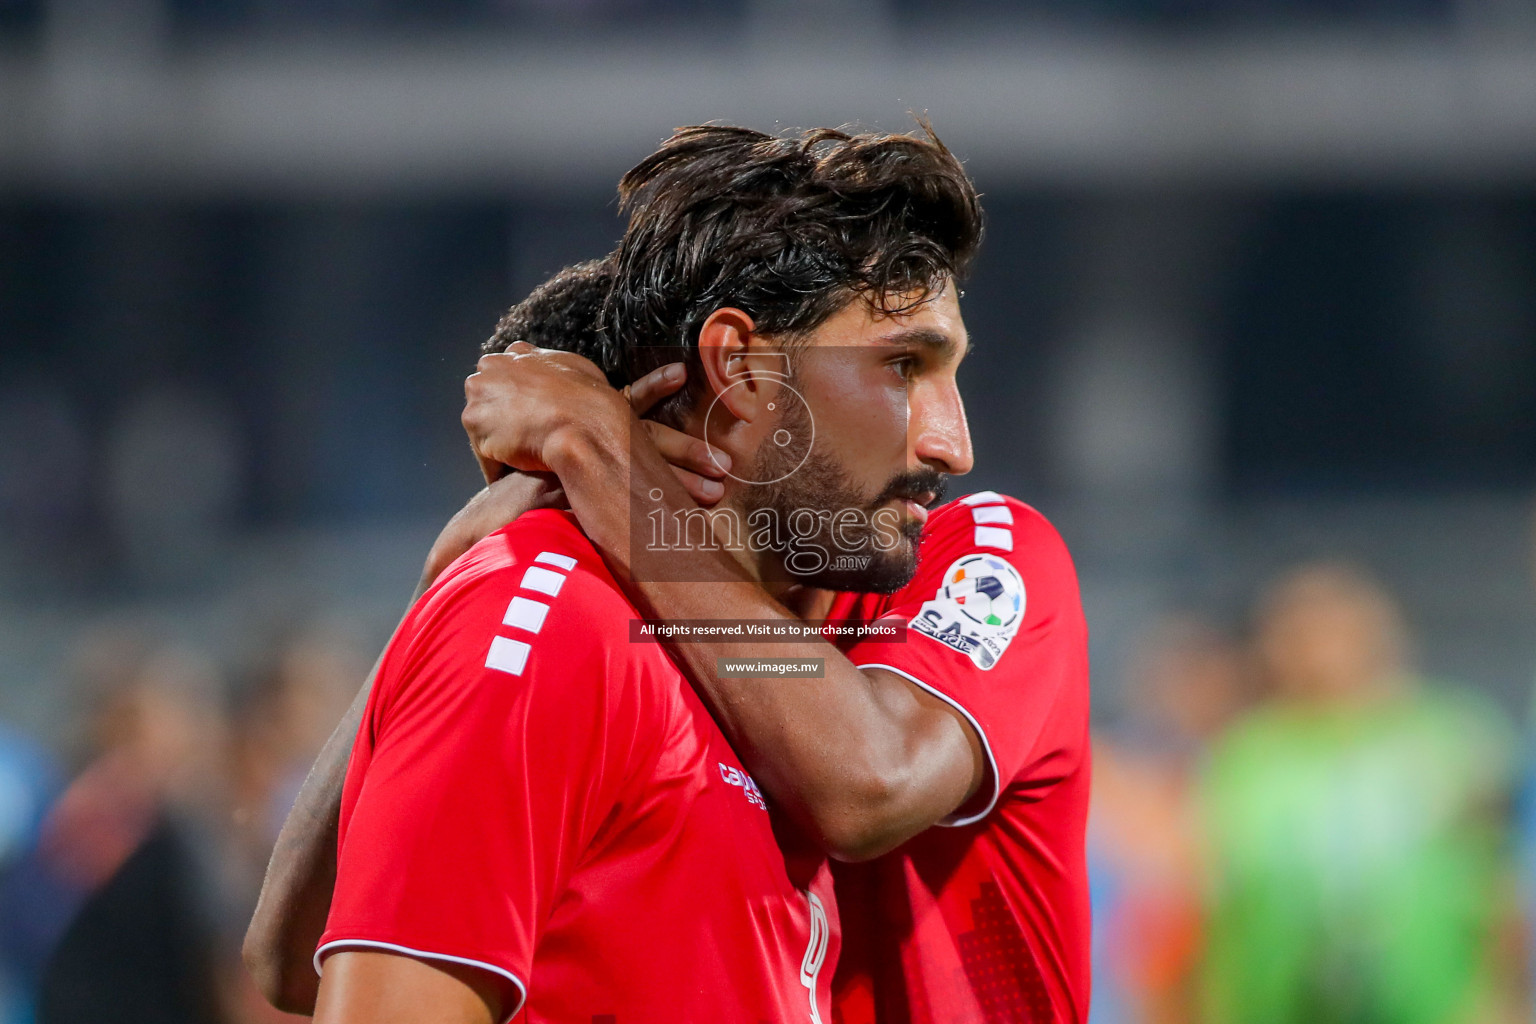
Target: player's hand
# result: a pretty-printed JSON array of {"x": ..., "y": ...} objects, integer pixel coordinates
[
  {"x": 495, "y": 506},
  {"x": 518, "y": 402},
  {"x": 512, "y": 405},
  {"x": 698, "y": 464}
]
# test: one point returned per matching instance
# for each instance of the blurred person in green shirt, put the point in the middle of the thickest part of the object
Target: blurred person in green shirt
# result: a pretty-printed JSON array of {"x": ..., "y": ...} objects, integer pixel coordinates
[{"x": 1357, "y": 823}]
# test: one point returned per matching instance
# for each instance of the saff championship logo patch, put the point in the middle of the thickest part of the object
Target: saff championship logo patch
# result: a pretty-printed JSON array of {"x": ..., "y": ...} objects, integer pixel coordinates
[{"x": 977, "y": 610}]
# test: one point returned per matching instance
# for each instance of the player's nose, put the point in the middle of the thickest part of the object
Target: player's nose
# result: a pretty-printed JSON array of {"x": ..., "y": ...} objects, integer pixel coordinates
[{"x": 942, "y": 438}]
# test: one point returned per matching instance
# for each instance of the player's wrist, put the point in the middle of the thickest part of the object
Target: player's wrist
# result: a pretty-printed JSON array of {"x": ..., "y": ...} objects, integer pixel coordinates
[{"x": 598, "y": 432}]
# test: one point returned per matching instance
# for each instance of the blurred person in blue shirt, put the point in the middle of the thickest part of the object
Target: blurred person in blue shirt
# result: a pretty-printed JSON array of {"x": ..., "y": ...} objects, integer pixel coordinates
[{"x": 34, "y": 908}]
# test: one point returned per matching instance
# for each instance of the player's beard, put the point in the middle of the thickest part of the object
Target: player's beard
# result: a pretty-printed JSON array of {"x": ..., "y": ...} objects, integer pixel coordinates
[{"x": 822, "y": 484}]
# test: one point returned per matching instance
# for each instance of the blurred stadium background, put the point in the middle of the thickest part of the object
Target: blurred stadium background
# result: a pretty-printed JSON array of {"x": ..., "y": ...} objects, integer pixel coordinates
[{"x": 1259, "y": 294}]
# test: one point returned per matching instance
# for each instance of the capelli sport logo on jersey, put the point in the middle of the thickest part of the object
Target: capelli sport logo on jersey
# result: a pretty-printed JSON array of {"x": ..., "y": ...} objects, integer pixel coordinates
[
  {"x": 977, "y": 610},
  {"x": 737, "y": 777}
]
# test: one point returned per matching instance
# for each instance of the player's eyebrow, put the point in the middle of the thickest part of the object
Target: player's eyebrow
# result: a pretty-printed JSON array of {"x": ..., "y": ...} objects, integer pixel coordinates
[{"x": 939, "y": 343}]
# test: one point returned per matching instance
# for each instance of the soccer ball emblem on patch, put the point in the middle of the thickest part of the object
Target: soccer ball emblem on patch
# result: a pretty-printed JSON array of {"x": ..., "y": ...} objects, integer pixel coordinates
[{"x": 977, "y": 609}]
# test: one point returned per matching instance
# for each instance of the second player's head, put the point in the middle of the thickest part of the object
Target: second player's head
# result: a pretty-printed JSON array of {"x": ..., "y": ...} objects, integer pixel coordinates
[
  {"x": 809, "y": 282},
  {"x": 562, "y": 313}
]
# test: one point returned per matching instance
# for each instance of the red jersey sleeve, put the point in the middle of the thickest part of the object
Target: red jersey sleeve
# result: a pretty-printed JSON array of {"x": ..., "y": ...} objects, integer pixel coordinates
[
  {"x": 995, "y": 628},
  {"x": 491, "y": 749}
]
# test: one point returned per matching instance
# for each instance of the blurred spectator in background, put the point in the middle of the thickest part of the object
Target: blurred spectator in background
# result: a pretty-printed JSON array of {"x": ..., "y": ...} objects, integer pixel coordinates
[
  {"x": 291, "y": 708},
  {"x": 1185, "y": 683},
  {"x": 1356, "y": 823},
  {"x": 152, "y": 857},
  {"x": 283, "y": 719},
  {"x": 130, "y": 835},
  {"x": 32, "y": 914}
]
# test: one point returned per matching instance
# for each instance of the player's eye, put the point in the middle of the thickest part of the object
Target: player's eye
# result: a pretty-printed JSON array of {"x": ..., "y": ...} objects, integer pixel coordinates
[{"x": 905, "y": 366}]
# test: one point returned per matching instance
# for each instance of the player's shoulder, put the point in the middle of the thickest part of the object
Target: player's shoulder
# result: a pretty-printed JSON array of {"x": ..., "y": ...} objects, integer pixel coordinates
[
  {"x": 528, "y": 625},
  {"x": 542, "y": 552},
  {"x": 990, "y": 521},
  {"x": 1001, "y": 541},
  {"x": 528, "y": 617},
  {"x": 534, "y": 583}
]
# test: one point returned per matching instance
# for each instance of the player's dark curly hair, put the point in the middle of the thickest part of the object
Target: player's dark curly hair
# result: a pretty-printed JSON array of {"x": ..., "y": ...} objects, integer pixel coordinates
[
  {"x": 562, "y": 313},
  {"x": 788, "y": 229}
]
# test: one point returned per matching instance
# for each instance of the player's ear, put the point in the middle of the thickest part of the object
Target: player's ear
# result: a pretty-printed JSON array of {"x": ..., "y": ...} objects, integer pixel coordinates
[{"x": 730, "y": 353}]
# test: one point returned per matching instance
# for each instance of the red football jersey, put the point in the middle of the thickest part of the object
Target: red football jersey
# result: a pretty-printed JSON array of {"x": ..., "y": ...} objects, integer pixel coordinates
[
  {"x": 534, "y": 794},
  {"x": 983, "y": 919}
]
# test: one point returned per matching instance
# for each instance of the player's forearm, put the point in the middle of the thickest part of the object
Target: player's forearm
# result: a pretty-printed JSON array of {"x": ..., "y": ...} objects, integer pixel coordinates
[
  {"x": 296, "y": 893},
  {"x": 855, "y": 757},
  {"x": 860, "y": 759}
]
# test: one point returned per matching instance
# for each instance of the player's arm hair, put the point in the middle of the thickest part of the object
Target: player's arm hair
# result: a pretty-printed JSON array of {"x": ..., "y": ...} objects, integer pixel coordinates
[
  {"x": 295, "y": 895},
  {"x": 862, "y": 759},
  {"x": 386, "y": 988}
]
